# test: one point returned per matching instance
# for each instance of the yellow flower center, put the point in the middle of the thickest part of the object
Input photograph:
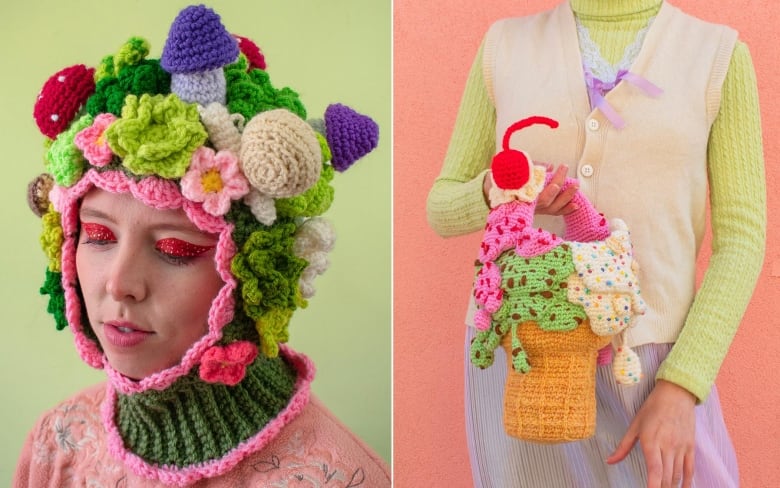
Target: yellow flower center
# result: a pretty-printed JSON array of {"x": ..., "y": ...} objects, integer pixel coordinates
[{"x": 211, "y": 181}]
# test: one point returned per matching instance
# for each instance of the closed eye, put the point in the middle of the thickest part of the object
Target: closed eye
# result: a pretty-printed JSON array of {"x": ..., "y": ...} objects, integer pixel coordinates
[
  {"x": 178, "y": 251},
  {"x": 97, "y": 234}
]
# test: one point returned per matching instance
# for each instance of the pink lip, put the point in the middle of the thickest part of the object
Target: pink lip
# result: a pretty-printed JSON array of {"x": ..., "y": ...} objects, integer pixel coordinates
[{"x": 124, "y": 334}]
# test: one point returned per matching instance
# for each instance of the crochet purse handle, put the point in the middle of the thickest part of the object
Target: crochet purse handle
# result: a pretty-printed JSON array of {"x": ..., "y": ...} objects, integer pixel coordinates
[{"x": 517, "y": 183}]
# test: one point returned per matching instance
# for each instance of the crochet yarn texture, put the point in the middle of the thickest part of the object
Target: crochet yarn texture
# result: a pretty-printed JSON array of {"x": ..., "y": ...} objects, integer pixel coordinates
[
  {"x": 551, "y": 302},
  {"x": 203, "y": 131}
]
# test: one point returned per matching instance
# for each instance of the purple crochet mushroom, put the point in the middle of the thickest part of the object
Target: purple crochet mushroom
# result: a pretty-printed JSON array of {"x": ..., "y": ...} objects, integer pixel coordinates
[
  {"x": 197, "y": 48},
  {"x": 350, "y": 135}
]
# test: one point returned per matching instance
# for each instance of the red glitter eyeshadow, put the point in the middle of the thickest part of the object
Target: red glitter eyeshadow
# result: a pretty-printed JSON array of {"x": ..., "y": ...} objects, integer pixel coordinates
[
  {"x": 97, "y": 232},
  {"x": 181, "y": 249}
]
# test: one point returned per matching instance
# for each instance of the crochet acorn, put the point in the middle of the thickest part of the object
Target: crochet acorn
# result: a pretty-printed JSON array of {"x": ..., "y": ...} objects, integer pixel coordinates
[{"x": 551, "y": 302}]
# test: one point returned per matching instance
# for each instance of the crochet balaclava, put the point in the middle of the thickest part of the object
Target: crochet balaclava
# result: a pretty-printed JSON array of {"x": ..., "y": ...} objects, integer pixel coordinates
[{"x": 201, "y": 129}]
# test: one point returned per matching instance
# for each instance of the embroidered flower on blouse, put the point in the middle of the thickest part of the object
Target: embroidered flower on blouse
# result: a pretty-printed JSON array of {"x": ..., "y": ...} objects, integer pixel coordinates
[
  {"x": 214, "y": 179},
  {"x": 227, "y": 364},
  {"x": 92, "y": 141}
]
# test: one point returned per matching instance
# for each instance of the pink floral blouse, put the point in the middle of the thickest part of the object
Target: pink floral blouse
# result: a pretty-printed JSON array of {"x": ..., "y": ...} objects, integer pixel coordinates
[{"x": 67, "y": 448}]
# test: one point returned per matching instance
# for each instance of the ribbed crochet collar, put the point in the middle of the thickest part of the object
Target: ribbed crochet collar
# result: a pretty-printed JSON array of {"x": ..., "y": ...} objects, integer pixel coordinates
[
  {"x": 194, "y": 430},
  {"x": 614, "y": 9},
  {"x": 193, "y": 421}
]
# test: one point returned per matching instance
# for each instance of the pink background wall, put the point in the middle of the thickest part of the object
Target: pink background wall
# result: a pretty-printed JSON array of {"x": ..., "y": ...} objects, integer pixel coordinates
[{"x": 435, "y": 42}]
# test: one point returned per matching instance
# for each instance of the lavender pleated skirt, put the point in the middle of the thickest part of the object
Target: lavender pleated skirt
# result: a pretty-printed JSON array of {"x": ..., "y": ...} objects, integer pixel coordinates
[{"x": 500, "y": 461}]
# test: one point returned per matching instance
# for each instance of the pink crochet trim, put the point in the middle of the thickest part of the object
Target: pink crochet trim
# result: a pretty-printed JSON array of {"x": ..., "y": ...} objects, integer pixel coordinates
[
  {"x": 216, "y": 467},
  {"x": 161, "y": 194}
]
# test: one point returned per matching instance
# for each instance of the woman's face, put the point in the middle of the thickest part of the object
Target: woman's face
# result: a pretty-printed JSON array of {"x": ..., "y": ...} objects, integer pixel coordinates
[{"x": 148, "y": 278}]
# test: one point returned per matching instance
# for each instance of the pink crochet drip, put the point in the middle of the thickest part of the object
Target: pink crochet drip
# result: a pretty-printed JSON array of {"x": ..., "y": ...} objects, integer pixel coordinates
[
  {"x": 161, "y": 194},
  {"x": 509, "y": 226},
  {"x": 488, "y": 293},
  {"x": 170, "y": 475}
]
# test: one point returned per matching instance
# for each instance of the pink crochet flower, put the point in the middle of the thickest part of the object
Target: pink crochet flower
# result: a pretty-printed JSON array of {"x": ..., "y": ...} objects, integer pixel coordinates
[
  {"x": 227, "y": 364},
  {"x": 214, "y": 179},
  {"x": 92, "y": 142}
]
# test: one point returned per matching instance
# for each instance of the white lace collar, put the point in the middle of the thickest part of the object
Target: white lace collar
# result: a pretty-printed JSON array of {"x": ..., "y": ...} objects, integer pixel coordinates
[{"x": 593, "y": 61}]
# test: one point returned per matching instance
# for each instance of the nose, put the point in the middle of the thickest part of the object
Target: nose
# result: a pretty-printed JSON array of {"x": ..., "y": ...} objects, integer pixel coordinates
[{"x": 125, "y": 278}]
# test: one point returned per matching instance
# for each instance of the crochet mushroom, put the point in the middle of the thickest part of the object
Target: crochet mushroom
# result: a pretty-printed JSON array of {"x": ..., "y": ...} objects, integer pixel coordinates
[
  {"x": 197, "y": 48},
  {"x": 350, "y": 135},
  {"x": 61, "y": 98},
  {"x": 251, "y": 51}
]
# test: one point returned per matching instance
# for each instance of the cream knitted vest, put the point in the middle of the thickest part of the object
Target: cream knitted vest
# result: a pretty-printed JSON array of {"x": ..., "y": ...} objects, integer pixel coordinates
[{"x": 653, "y": 172}]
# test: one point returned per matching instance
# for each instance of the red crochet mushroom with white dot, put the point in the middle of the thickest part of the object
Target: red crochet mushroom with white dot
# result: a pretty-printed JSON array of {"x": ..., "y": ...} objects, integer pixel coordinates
[
  {"x": 61, "y": 98},
  {"x": 251, "y": 51}
]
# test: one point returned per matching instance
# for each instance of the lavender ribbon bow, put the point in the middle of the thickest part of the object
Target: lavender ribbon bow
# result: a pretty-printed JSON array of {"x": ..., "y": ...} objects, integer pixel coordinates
[{"x": 598, "y": 88}]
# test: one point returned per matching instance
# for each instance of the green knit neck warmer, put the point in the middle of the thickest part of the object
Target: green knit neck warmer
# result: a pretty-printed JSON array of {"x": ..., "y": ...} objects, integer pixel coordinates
[{"x": 193, "y": 421}]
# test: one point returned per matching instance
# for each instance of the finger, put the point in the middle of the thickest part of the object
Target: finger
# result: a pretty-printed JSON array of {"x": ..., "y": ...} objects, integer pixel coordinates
[
  {"x": 623, "y": 448},
  {"x": 668, "y": 460},
  {"x": 559, "y": 176},
  {"x": 677, "y": 470},
  {"x": 547, "y": 196},
  {"x": 568, "y": 208},
  {"x": 688, "y": 464},
  {"x": 564, "y": 198},
  {"x": 654, "y": 466}
]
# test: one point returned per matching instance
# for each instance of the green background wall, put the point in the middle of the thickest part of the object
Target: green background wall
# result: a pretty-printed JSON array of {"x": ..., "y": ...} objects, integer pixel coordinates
[{"x": 328, "y": 51}]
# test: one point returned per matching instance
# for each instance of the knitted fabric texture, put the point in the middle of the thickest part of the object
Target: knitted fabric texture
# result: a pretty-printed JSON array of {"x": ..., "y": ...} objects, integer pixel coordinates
[
  {"x": 552, "y": 304},
  {"x": 241, "y": 163},
  {"x": 555, "y": 401},
  {"x": 201, "y": 88},
  {"x": 351, "y": 135},
  {"x": 38, "y": 194},
  {"x": 280, "y": 154},
  {"x": 61, "y": 99},
  {"x": 251, "y": 51},
  {"x": 250, "y": 170},
  {"x": 197, "y": 42},
  {"x": 192, "y": 421}
]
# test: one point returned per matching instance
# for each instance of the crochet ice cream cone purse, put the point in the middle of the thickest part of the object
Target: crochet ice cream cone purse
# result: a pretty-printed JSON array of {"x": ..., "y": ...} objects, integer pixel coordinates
[{"x": 552, "y": 302}]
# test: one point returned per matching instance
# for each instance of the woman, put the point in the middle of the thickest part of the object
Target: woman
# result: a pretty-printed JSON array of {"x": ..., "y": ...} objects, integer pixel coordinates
[
  {"x": 181, "y": 220},
  {"x": 643, "y": 144}
]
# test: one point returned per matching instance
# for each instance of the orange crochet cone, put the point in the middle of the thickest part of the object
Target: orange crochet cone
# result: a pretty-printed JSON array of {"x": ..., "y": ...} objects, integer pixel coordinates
[{"x": 556, "y": 400}]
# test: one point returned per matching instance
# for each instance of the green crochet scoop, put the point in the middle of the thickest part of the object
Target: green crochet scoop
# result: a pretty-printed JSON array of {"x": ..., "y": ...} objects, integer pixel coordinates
[{"x": 192, "y": 421}]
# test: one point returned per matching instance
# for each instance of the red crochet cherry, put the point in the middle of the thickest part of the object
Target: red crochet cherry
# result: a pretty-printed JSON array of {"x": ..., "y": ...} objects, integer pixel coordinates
[
  {"x": 61, "y": 98},
  {"x": 512, "y": 168}
]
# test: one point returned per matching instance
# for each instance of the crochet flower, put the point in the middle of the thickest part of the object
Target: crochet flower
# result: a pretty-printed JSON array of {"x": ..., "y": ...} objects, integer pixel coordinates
[
  {"x": 64, "y": 160},
  {"x": 92, "y": 141},
  {"x": 227, "y": 364},
  {"x": 214, "y": 179},
  {"x": 156, "y": 135}
]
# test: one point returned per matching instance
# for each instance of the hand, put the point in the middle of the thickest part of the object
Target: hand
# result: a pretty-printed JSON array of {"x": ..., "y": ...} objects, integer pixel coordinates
[
  {"x": 553, "y": 201},
  {"x": 487, "y": 184},
  {"x": 665, "y": 428}
]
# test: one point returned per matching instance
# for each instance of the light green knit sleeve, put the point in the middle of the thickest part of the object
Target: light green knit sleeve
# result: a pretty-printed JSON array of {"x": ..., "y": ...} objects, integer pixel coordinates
[
  {"x": 456, "y": 204},
  {"x": 738, "y": 210}
]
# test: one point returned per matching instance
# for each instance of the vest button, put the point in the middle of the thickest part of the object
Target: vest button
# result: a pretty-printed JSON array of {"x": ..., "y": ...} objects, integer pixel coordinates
[
  {"x": 586, "y": 170},
  {"x": 593, "y": 125}
]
